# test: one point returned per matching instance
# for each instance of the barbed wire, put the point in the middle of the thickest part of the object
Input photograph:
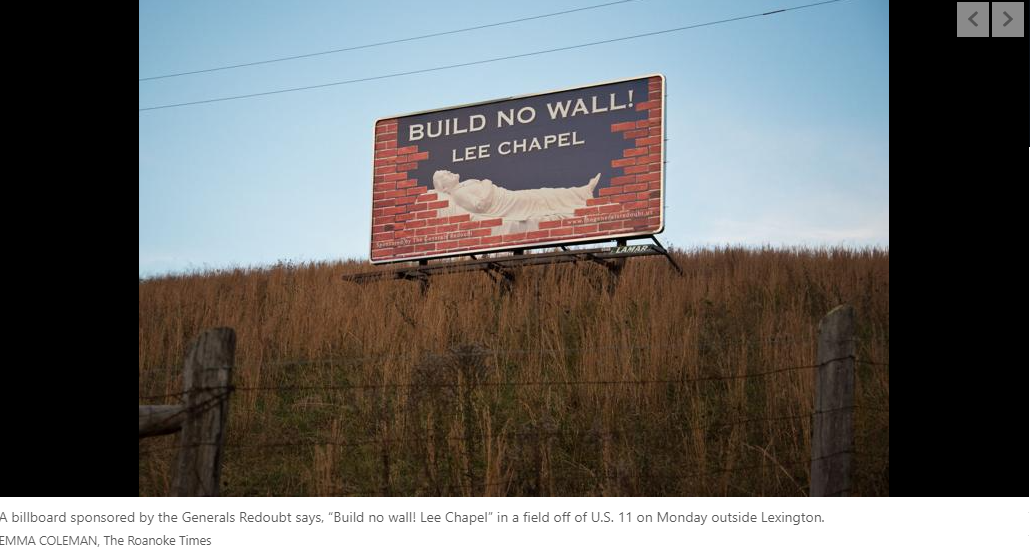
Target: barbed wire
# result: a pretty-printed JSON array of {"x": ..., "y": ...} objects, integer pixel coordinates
[
  {"x": 691, "y": 475},
  {"x": 518, "y": 383},
  {"x": 345, "y": 359},
  {"x": 181, "y": 394},
  {"x": 324, "y": 362},
  {"x": 475, "y": 486},
  {"x": 472, "y": 486},
  {"x": 201, "y": 406},
  {"x": 534, "y": 434}
]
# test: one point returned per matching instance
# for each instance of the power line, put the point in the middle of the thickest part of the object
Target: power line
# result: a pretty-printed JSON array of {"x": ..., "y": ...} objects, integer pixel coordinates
[
  {"x": 373, "y": 45},
  {"x": 482, "y": 61}
]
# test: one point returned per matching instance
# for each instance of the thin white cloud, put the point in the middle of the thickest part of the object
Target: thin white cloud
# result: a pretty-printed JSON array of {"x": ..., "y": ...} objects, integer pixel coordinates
[{"x": 774, "y": 230}]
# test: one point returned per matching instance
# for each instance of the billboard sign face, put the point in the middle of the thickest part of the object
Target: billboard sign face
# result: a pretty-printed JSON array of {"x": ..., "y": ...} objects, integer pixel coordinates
[{"x": 571, "y": 166}]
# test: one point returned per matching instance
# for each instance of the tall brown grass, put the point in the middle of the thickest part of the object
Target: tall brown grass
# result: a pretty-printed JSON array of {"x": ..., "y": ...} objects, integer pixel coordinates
[{"x": 468, "y": 389}]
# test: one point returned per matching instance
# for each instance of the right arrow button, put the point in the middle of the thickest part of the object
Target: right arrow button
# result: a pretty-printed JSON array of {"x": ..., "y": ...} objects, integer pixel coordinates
[{"x": 1006, "y": 19}]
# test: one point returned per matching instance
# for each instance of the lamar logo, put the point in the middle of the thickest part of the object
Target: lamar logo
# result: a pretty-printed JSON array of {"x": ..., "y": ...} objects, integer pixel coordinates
[{"x": 631, "y": 248}]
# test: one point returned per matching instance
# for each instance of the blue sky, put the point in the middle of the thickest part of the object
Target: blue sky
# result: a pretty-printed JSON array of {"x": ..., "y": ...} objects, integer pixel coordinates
[{"x": 778, "y": 126}]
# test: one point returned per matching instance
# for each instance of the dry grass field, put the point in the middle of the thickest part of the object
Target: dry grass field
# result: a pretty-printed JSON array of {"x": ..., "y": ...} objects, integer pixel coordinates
[{"x": 660, "y": 385}]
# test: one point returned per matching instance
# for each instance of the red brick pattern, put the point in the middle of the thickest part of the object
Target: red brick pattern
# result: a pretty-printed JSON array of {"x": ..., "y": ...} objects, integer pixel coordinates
[
  {"x": 405, "y": 215},
  {"x": 405, "y": 221}
]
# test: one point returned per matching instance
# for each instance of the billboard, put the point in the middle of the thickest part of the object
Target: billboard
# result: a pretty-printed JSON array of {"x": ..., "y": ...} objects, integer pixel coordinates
[{"x": 570, "y": 166}]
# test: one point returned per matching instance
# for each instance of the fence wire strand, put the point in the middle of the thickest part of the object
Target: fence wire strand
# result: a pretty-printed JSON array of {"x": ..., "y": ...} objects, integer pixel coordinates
[
  {"x": 479, "y": 486},
  {"x": 516, "y": 383},
  {"x": 367, "y": 358},
  {"x": 538, "y": 434}
]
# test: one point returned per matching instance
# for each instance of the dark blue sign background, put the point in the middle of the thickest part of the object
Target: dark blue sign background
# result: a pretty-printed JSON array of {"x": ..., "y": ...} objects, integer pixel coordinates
[{"x": 569, "y": 166}]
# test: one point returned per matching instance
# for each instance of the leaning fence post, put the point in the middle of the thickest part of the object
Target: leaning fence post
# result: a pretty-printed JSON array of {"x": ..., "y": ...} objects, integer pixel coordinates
[
  {"x": 206, "y": 380},
  {"x": 832, "y": 422}
]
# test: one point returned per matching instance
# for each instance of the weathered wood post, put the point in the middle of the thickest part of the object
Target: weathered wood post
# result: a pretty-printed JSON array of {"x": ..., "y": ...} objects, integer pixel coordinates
[
  {"x": 833, "y": 420},
  {"x": 206, "y": 380}
]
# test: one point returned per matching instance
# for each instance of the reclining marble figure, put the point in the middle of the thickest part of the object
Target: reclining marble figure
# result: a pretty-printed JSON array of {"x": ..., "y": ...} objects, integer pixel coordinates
[{"x": 485, "y": 198}]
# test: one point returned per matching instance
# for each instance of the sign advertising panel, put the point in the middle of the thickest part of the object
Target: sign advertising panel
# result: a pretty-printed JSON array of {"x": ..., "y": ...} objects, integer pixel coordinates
[{"x": 571, "y": 166}]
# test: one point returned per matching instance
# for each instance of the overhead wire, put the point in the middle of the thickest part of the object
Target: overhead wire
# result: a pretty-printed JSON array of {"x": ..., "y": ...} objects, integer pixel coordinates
[{"x": 478, "y": 62}]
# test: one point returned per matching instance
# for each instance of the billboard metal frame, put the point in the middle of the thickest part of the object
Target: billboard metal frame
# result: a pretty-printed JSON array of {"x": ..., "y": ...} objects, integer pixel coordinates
[{"x": 499, "y": 267}]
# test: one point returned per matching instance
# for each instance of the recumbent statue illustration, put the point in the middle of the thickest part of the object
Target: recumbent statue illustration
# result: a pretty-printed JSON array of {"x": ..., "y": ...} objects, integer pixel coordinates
[{"x": 521, "y": 210}]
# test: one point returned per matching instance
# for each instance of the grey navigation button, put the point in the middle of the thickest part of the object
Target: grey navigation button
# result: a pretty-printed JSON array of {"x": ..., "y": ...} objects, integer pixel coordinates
[
  {"x": 1006, "y": 19},
  {"x": 973, "y": 19}
]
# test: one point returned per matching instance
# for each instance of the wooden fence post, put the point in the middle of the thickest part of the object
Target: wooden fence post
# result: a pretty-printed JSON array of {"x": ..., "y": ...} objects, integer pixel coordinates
[
  {"x": 206, "y": 380},
  {"x": 833, "y": 420}
]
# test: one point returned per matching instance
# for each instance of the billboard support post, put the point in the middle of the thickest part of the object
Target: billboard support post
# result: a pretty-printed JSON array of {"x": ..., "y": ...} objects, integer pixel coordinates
[
  {"x": 667, "y": 255},
  {"x": 500, "y": 267}
]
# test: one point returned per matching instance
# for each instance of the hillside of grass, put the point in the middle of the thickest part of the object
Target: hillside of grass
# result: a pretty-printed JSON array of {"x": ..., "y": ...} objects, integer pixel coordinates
[{"x": 566, "y": 384}]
